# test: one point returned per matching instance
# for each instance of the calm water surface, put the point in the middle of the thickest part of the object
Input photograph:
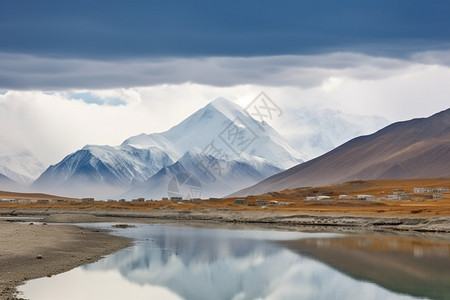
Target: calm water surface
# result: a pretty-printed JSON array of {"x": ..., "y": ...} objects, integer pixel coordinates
[{"x": 175, "y": 262}]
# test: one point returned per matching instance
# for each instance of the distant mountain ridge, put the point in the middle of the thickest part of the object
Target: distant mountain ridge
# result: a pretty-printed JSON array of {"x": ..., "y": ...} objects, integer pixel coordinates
[
  {"x": 224, "y": 139},
  {"x": 417, "y": 148},
  {"x": 315, "y": 131},
  {"x": 19, "y": 165},
  {"x": 232, "y": 175}
]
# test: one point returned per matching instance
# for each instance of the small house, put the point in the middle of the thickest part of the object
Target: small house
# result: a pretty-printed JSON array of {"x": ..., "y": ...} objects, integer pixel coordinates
[
  {"x": 239, "y": 201},
  {"x": 431, "y": 190},
  {"x": 393, "y": 197},
  {"x": 24, "y": 201},
  {"x": 344, "y": 197},
  {"x": 419, "y": 190},
  {"x": 261, "y": 202},
  {"x": 285, "y": 203},
  {"x": 323, "y": 197},
  {"x": 57, "y": 201},
  {"x": 404, "y": 197},
  {"x": 398, "y": 192},
  {"x": 176, "y": 199},
  {"x": 311, "y": 198}
]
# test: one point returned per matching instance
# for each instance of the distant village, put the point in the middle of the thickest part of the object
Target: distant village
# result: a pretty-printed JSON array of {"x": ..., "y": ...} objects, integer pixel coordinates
[
  {"x": 418, "y": 194},
  {"x": 91, "y": 200}
]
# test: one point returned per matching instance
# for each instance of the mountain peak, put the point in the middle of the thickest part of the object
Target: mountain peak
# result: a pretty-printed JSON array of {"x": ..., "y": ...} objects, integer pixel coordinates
[
  {"x": 226, "y": 107},
  {"x": 221, "y": 101}
]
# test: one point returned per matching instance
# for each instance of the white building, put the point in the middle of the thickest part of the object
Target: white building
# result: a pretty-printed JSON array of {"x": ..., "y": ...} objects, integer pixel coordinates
[
  {"x": 417, "y": 190},
  {"x": 431, "y": 190}
]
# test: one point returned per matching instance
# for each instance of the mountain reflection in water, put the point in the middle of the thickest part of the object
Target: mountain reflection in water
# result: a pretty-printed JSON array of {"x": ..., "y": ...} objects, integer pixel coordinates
[
  {"x": 403, "y": 264},
  {"x": 169, "y": 262}
]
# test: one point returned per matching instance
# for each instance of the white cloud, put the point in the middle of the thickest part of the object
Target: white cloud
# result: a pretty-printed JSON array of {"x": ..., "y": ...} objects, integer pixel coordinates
[{"x": 52, "y": 125}]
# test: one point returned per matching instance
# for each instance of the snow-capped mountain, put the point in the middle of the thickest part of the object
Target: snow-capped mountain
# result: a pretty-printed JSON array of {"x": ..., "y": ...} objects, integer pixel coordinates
[
  {"x": 18, "y": 164},
  {"x": 22, "y": 167},
  {"x": 196, "y": 175},
  {"x": 315, "y": 131},
  {"x": 220, "y": 131},
  {"x": 102, "y": 170}
]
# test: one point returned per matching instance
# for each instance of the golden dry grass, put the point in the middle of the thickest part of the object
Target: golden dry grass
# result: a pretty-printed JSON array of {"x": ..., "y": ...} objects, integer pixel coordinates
[
  {"x": 15, "y": 195},
  {"x": 379, "y": 188}
]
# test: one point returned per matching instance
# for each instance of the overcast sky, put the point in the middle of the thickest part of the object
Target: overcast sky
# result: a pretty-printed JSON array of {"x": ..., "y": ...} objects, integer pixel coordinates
[{"x": 95, "y": 72}]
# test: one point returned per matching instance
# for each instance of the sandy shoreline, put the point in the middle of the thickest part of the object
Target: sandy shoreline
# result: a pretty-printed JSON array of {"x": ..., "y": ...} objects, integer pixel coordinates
[
  {"x": 62, "y": 248},
  {"x": 321, "y": 221}
]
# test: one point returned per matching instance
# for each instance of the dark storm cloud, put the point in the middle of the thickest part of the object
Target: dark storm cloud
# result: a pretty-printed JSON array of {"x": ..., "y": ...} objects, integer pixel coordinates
[
  {"x": 62, "y": 44},
  {"x": 21, "y": 72},
  {"x": 130, "y": 29}
]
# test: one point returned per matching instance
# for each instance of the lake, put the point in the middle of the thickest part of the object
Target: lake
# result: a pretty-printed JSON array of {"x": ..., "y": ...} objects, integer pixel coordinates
[{"x": 181, "y": 262}]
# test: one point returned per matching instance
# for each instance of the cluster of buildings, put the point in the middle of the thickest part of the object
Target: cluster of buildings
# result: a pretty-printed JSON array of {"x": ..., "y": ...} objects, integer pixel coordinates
[
  {"x": 46, "y": 201},
  {"x": 261, "y": 203},
  {"x": 342, "y": 197},
  {"x": 397, "y": 194},
  {"x": 431, "y": 193},
  {"x": 251, "y": 203}
]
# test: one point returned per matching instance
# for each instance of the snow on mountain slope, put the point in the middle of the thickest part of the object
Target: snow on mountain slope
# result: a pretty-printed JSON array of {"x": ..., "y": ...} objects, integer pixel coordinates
[
  {"x": 129, "y": 163},
  {"x": 156, "y": 140},
  {"x": 314, "y": 131},
  {"x": 198, "y": 175},
  {"x": 16, "y": 177},
  {"x": 223, "y": 127},
  {"x": 102, "y": 170},
  {"x": 18, "y": 163}
]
